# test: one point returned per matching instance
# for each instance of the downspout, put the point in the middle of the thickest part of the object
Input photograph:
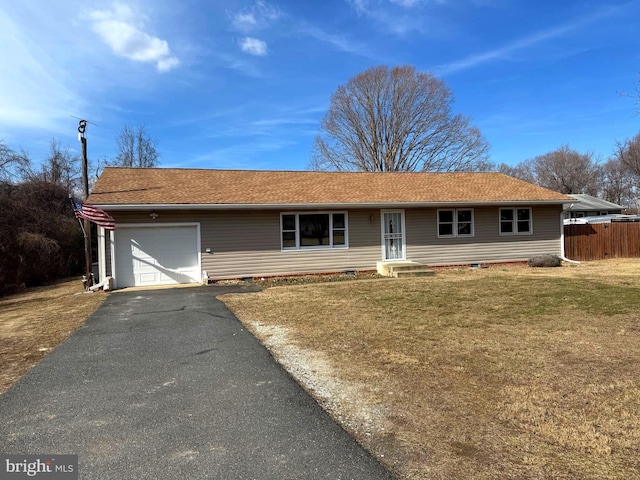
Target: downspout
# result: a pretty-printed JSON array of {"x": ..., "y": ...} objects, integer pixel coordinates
[
  {"x": 106, "y": 285},
  {"x": 562, "y": 257}
]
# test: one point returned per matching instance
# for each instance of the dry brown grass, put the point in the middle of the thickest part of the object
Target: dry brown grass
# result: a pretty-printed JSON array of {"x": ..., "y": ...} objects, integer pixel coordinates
[
  {"x": 36, "y": 321},
  {"x": 506, "y": 372}
]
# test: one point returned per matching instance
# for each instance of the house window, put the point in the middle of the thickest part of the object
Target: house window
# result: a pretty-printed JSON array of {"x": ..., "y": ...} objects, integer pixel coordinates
[
  {"x": 516, "y": 221},
  {"x": 289, "y": 231},
  {"x": 313, "y": 230},
  {"x": 604, "y": 212},
  {"x": 455, "y": 222}
]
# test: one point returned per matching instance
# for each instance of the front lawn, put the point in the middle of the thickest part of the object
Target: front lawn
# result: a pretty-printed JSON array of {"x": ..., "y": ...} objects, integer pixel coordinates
[
  {"x": 36, "y": 321},
  {"x": 506, "y": 372}
]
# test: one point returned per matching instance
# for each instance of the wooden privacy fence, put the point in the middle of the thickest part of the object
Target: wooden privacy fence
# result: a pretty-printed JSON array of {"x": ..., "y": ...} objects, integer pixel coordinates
[{"x": 602, "y": 240}]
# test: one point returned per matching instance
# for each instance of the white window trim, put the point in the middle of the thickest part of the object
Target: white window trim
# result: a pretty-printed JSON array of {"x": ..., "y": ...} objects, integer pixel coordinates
[
  {"x": 514, "y": 221},
  {"x": 331, "y": 246},
  {"x": 455, "y": 223}
]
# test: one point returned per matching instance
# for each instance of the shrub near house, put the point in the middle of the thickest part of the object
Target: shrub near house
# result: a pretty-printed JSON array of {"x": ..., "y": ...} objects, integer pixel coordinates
[{"x": 40, "y": 240}]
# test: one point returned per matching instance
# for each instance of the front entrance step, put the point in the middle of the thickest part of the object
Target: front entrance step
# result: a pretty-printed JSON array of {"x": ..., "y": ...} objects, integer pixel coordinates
[
  {"x": 404, "y": 269},
  {"x": 424, "y": 272}
]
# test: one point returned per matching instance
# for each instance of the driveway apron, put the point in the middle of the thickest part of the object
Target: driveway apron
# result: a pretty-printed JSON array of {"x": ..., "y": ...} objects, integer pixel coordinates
[{"x": 168, "y": 384}]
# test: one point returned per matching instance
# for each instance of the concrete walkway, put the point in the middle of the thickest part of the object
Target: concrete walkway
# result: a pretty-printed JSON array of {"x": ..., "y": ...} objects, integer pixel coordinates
[{"x": 167, "y": 384}]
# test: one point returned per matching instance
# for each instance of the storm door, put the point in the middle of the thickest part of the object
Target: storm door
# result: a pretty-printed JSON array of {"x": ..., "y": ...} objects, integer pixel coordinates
[{"x": 393, "y": 243}]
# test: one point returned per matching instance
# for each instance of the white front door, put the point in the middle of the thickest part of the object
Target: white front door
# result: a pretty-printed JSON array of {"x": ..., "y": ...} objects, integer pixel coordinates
[{"x": 393, "y": 245}]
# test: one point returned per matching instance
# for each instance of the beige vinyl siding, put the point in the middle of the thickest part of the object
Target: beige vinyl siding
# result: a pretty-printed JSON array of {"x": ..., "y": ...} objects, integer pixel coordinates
[
  {"x": 487, "y": 245},
  {"x": 247, "y": 243}
]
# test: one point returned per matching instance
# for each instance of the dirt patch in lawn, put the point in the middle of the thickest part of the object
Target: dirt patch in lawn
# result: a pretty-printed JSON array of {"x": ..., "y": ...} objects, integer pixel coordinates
[
  {"x": 504, "y": 372},
  {"x": 36, "y": 321}
]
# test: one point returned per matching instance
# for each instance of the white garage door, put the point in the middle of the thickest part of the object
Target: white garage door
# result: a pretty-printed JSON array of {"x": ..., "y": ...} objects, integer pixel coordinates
[{"x": 158, "y": 255}]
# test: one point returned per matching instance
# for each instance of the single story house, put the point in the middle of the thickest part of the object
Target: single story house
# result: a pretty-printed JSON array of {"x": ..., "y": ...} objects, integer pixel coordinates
[
  {"x": 182, "y": 225},
  {"x": 589, "y": 206}
]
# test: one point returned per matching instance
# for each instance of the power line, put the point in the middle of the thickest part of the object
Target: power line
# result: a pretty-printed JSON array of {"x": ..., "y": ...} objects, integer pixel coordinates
[{"x": 83, "y": 120}]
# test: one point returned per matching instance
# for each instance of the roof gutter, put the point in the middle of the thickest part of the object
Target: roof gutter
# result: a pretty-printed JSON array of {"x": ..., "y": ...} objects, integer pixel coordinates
[{"x": 314, "y": 206}]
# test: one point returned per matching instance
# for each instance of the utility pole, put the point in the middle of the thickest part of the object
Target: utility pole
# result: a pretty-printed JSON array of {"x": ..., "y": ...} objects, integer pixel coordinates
[{"x": 82, "y": 125}]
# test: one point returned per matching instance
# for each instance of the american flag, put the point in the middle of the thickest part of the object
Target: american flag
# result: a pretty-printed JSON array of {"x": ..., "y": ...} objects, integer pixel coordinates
[{"x": 93, "y": 214}]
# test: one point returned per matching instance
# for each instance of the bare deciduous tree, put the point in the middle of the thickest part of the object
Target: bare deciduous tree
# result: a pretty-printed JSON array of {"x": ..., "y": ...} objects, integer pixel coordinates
[
  {"x": 635, "y": 95},
  {"x": 390, "y": 120},
  {"x": 135, "y": 148},
  {"x": 12, "y": 164},
  {"x": 522, "y": 170},
  {"x": 61, "y": 167},
  {"x": 628, "y": 153},
  {"x": 617, "y": 183},
  {"x": 566, "y": 171}
]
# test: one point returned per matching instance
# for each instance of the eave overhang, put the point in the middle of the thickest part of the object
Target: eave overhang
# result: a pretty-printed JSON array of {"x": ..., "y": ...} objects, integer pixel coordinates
[{"x": 129, "y": 207}]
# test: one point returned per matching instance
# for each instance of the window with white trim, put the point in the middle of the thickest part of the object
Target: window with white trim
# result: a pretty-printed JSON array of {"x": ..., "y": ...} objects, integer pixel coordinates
[
  {"x": 455, "y": 222},
  {"x": 516, "y": 221},
  {"x": 313, "y": 230}
]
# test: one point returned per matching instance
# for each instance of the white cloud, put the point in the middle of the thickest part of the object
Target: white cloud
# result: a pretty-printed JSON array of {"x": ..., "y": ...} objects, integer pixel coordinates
[
  {"x": 388, "y": 17},
  {"x": 361, "y": 6},
  {"x": 530, "y": 41},
  {"x": 240, "y": 65},
  {"x": 244, "y": 22},
  {"x": 339, "y": 42},
  {"x": 257, "y": 17},
  {"x": 121, "y": 28},
  {"x": 253, "y": 46},
  {"x": 167, "y": 64}
]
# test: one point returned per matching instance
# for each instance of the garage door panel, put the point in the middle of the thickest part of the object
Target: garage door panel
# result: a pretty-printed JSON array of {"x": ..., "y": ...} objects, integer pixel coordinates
[
  {"x": 175, "y": 259},
  {"x": 148, "y": 278},
  {"x": 157, "y": 255}
]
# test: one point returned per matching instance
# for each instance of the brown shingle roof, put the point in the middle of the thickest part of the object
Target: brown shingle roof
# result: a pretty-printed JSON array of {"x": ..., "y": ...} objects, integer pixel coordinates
[{"x": 169, "y": 186}]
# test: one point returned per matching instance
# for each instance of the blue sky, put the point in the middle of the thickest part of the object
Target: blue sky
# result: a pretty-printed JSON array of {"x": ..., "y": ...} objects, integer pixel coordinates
[{"x": 245, "y": 84}]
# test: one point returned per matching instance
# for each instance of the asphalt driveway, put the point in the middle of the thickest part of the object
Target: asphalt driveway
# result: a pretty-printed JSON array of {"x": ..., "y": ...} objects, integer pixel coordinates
[{"x": 168, "y": 384}]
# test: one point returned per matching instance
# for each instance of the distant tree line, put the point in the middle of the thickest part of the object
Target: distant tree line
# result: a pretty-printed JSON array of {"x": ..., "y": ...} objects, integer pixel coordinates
[
  {"x": 40, "y": 238},
  {"x": 616, "y": 179}
]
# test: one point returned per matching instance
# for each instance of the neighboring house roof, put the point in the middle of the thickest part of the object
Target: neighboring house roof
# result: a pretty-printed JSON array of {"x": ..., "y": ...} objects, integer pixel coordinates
[
  {"x": 616, "y": 217},
  {"x": 587, "y": 203},
  {"x": 125, "y": 188}
]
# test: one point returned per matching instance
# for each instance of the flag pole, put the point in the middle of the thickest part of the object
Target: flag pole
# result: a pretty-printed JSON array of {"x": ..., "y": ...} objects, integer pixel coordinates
[
  {"x": 86, "y": 230},
  {"x": 73, "y": 207}
]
